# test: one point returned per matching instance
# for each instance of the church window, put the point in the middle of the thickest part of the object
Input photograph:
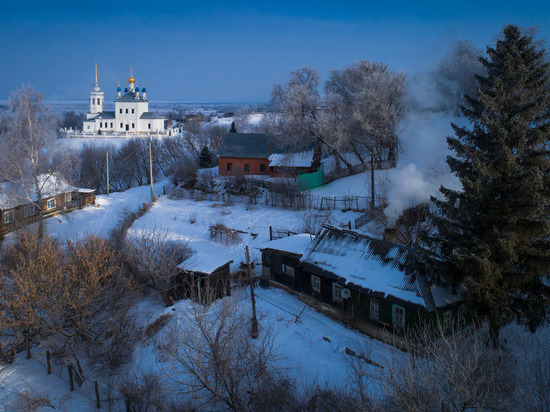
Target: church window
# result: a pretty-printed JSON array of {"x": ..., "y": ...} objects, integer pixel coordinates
[
  {"x": 149, "y": 125},
  {"x": 121, "y": 125},
  {"x": 98, "y": 101},
  {"x": 133, "y": 127},
  {"x": 100, "y": 124},
  {"x": 93, "y": 101},
  {"x": 111, "y": 124},
  {"x": 126, "y": 111},
  {"x": 120, "y": 111},
  {"x": 132, "y": 111}
]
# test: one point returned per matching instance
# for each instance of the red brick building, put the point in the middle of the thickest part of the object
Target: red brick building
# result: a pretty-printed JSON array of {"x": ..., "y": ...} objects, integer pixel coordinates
[{"x": 248, "y": 154}]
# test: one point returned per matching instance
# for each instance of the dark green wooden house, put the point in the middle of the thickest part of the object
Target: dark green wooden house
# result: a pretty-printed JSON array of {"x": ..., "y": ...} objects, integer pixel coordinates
[{"x": 367, "y": 279}]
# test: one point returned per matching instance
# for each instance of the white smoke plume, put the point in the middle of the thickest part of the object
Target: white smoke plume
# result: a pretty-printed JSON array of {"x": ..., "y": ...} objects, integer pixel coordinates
[{"x": 421, "y": 169}]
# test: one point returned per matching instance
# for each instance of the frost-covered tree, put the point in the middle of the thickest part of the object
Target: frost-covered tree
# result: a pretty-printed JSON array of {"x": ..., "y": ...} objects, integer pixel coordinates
[
  {"x": 493, "y": 238},
  {"x": 26, "y": 146},
  {"x": 364, "y": 105}
]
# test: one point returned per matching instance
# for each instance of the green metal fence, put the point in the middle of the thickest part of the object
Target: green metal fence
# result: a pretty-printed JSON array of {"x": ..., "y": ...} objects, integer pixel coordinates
[{"x": 311, "y": 178}]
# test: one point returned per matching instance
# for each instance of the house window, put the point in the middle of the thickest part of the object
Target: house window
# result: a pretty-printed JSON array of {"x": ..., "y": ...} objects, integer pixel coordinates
[
  {"x": 126, "y": 111},
  {"x": 374, "y": 308},
  {"x": 51, "y": 204},
  {"x": 68, "y": 197},
  {"x": 336, "y": 292},
  {"x": 28, "y": 211},
  {"x": 262, "y": 168},
  {"x": 398, "y": 316},
  {"x": 246, "y": 168},
  {"x": 8, "y": 216},
  {"x": 316, "y": 283},
  {"x": 287, "y": 270},
  {"x": 447, "y": 320},
  {"x": 229, "y": 166}
]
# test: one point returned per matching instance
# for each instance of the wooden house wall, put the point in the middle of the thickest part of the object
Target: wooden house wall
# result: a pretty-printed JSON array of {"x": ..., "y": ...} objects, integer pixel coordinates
[
  {"x": 215, "y": 285},
  {"x": 358, "y": 305},
  {"x": 19, "y": 219}
]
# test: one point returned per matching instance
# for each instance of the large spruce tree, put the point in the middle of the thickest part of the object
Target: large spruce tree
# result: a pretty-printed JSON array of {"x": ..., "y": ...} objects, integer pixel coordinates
[{"x": 493, "y": 240}]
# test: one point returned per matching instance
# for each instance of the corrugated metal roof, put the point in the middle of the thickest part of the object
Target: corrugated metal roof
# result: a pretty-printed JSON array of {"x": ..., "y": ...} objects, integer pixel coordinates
[
  {"x": 253, "y": 145},
  {"x": 371, "y": 264}
]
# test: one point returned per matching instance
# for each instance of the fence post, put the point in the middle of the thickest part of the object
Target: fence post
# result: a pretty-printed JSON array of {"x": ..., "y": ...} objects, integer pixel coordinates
[
  {"x": 71, "y": 377},
  {"x": 98, "y": 402},
  {"x": 349, "y": 224},
  {"x": 49, "y": 362},
  {"x": 270, "y": 233}
]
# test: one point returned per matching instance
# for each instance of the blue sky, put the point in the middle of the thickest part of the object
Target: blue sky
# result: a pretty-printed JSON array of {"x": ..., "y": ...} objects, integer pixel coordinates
[{"x": 232, "y": 50}]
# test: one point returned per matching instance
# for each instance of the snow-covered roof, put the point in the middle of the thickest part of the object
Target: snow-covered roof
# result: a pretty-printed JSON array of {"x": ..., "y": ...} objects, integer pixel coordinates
[
  {"x": 296, "y": 244},
  {"x": 302, "y": 159},
  {"x": 14, "y": 194},
  {"x": 203, "y": 263},
  {"x": 375, "y": 265}
]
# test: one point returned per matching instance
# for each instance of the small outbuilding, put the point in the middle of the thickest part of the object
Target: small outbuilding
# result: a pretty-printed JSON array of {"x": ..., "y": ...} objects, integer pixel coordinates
[{"x": 203, "y": 278}]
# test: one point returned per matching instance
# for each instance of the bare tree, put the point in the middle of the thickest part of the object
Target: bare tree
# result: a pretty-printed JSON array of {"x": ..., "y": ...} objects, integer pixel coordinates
[
  {"x": 26, "y": 145},
  {"x": 215, "y": 360},
  {"x": 441, "y": 370},
  {"x": 155, "y": 257}
]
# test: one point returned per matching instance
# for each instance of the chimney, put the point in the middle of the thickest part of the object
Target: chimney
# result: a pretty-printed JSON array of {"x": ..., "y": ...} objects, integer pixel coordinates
[{"x": 390, "y": 235}]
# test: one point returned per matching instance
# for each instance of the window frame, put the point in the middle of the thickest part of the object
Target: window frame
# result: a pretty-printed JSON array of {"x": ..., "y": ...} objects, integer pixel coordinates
[
  {"x": 337, "y": 292},
  {"x": 447, "y": 320},
  {"x": 262, "y": 168},
  {"x": 315, "y": 283},
  {"x": 374, "y": 308},
  {"x": 246, "y": 168},
  {"x": 8, "y": 217},
  {"x": 54, "y": 200},
  {"x": 26, "y": 208},
  {"x": 287, "y": 269},
  {"x": 398, "y": 319},
  {"x": 228, "y": 167}
]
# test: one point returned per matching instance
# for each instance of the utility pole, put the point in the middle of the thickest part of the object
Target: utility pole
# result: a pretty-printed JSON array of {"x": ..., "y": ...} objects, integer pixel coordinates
[
  {"x": 372, "y": 175},
  {"x": 107, "y": 152},
  {"x": 151, "y": 171},
  {"x": 254, "y": 332}
]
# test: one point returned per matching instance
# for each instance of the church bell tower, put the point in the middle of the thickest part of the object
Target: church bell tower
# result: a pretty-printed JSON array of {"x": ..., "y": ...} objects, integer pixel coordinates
[{"x": 96, "y": 98}]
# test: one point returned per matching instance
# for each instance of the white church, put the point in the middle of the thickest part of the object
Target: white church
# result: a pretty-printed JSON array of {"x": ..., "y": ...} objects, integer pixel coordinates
[{"x": 131, "y": 117}]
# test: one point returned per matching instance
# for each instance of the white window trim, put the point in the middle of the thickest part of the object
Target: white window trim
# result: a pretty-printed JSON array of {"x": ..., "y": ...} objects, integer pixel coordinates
[
  {"x": 316, "y": 283},
  {"x": 27, "y": 207},
  {"x": 396, "y": 317},
  {"x": 8, "y": 217},
  {"x": 337, "y": 292},
  {"x": 54, "y": 200}
]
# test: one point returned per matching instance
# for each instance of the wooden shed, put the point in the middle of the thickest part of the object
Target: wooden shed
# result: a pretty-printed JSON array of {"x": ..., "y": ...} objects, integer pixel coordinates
[{"x": 203, "y": 278}]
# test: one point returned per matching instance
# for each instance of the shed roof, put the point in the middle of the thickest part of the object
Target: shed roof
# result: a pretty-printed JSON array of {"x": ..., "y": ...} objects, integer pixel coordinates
[
  {"x": 296, "y": 244},
  {"x": 375, "y": 265},
  {"x": 203, "y": 263}
]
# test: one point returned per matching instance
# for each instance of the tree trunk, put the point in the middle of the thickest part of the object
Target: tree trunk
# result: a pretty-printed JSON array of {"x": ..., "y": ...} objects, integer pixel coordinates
[{"x": 494, "y": 335}]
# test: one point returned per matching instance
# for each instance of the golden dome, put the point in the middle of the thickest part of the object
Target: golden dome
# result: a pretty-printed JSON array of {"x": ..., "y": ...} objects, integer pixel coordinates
[{"x": 131, "y": 79}]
